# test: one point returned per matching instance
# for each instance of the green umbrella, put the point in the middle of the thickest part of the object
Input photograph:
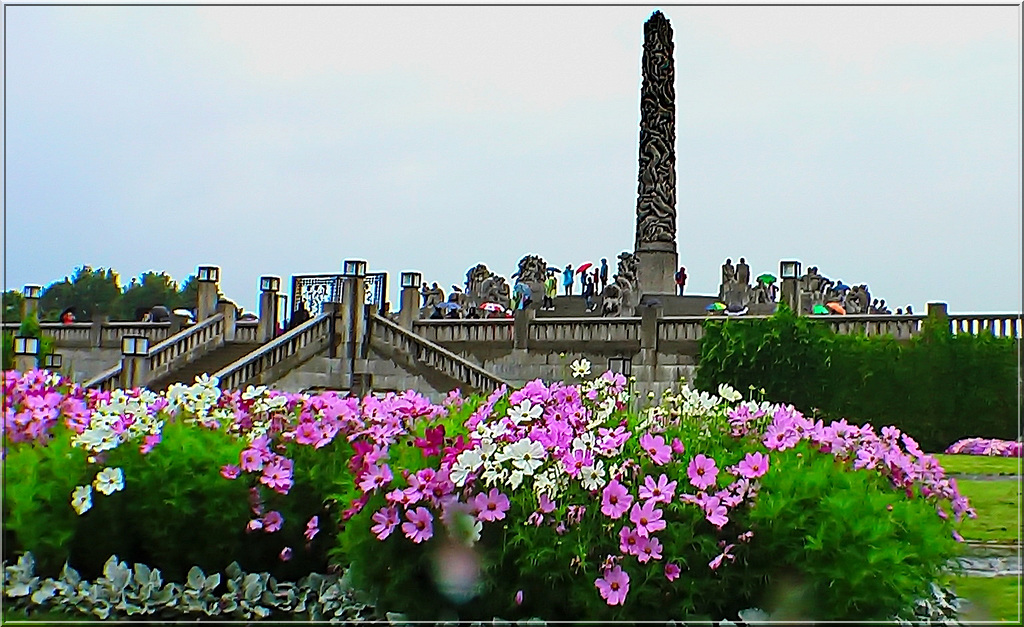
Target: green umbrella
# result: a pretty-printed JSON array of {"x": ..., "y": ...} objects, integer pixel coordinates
[
  {"x": 766, "y": 278},
  {"x": 717, "y": 306},
  {"x": 820, "y": 309}
]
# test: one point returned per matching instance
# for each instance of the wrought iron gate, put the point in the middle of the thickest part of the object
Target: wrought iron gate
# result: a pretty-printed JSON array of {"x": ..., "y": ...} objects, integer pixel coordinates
[{"x": 313, "y": 290}]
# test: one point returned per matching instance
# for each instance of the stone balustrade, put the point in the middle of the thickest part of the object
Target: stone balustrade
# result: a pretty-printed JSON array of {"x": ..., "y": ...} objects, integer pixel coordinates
[
  {"x": 108, "y": 380},
  {"x": 296, "y": 345},
  {"x": 246, "y": 331},
  {"x": 434, "y": 356},
  {"x": 999, "y": 325},
  {"x": 98, "y": 335},
  {"x": 681, "y": 328},
  {"x": 900, "y": 327},
  {"x": 559, "y": 330},
  {"x": 496, "y": 330},
  {"x": 186, "y": 346}
]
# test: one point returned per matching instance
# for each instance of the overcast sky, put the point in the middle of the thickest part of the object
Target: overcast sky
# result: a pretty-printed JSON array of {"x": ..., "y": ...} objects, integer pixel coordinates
[{"x": 881, "y": 144}]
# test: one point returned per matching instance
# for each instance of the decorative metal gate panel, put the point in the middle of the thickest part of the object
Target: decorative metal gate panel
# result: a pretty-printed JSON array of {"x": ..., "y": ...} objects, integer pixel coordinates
[{"x": 313, "y": 290}]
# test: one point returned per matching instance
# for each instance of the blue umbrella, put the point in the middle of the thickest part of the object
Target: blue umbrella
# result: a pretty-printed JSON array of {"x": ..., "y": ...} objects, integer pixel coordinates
[
  {"x": 842, "y": 287},
  {"x": 448, "y": 306}
]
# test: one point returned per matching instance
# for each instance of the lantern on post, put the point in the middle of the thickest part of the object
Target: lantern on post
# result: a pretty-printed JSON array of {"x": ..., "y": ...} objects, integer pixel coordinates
[
  {"x": 208, "y": 274},
  {"x": 621, "y": 365},
  {"x": 53, "y": 361},
  {"x": 411, "y": 279},
  {"x": 354, "y": 267},
  {"x": 32, "y": 291},
  {"x": 270, "y": 284},
  {"x": 789, "y": 269},
  {"x": 135, "y": 346},
  {"x": 26, "y": 345}
]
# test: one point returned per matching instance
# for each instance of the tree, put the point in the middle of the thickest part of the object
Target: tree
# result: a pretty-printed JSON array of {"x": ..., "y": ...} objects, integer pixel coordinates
[
  {"x": 12, "y": 303},
  {"x": 90, "y": 292},
  {"x": 153, "y": 289}
]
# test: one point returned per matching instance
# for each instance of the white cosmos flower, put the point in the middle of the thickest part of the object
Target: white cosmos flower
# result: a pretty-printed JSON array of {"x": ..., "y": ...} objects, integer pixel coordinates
[
  {"x": 544, "y": 482},
  {"x": 728, "y": 393},
  {"x": 580, "y": 368},
  {"x": 592, "y": 477},
  {"x": 465, "y": 463},
  {"x": 109, "y": 480},
  {"x": 97, "y": 440},
  {"x": 493, "y": 474},
  {"x": 253, "y": 391},
  {"x": 526, "y": 455},
  {"x": 525, "y": 412},
  {"x": 81, "y": 499},
  {"x": 515, "y": 479}
]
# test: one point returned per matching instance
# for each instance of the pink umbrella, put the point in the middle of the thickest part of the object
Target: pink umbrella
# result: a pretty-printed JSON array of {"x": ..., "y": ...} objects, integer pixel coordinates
[{"x": 492, "y": 307}]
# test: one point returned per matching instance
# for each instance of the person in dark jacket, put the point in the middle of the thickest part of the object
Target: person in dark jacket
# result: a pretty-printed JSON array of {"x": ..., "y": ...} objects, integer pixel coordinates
[{"x": 301, "y": 315}]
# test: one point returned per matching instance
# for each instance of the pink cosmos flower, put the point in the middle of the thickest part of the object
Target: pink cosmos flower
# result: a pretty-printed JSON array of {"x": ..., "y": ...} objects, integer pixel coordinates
[
  {"x": 702, "y": 472},
  {"x": 491, "y": 506},
  {"x": 307, "y": 433},
  {"x": 386, "y": 519},
  {"x": 615, "y": 500},
  {"x": 672, "y": 571},
  {"x": 230, "y": 471},
  {"x": 149, "y": 442},
  {"x": 420, "y": 526},
  {"x": 519, "y": 597},
  {"x": 277, "y": 475},
  {"x": 251, "y": 460},
  {"x": 649, "y": 548},
  {"x": 660, "y": 492},
  {"x": 678, "y": 448},
  {"x": 715, "y": 512},
  {"x": 629, "y": 541},
  {"x": 254, "y": 525},
  {"x": 272, "y": 521},
  {"x": 655, "y": 446},
  {"x": 780, "y": 438},
  {"x": 286, "y": 554},
  {"x": 312, "y": 528},
  {"x": 753, "y": 465},
  {"x": 376, "y": 477},
  {"x": 613, "y": 586},
  {"x": 647, "y": 518},
  {"x": 715, "y": 563}
]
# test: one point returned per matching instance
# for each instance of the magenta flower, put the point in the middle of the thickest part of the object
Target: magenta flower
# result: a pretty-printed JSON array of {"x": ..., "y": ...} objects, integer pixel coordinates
[
  {"x": 491, "y": 506},
  {"x": 672, "y": 571},
  {"x": 546, "y": 505},
  {"x": 286, "y": 554},
  {"x": 519, "y": 597},
  {"x": 647, "y": 518},
  {"x": 254, "y": 525},
  {"x": 780, "y": 438},
  {"x": 307, "y": 433},
  {"x": 251, "y": 460},
  {"x": 615, "y": 500},
  {"x": 149, "y": 442},
  {"x": 386, "y": 519},
  {"x": 312, "y": 528},
  {"x": 277, "y": 475},
  {"x": 702, "y": 472},
  {"x": 715, "y": 512},
  {"x": 272, "y": 521},
  {"x": 230, "y": 471},
  {"x": 754, "y": 465},
  {"x": 629, "y": 541},
  {"x": 655, "y": 446},
  {"x": 420, "y": 526},
  {"x": 715, "y": 563},
  {"x": 677, "y": 446},
  {"x": 660, "y": 492},
  {"x": 376, "y": 477},
  {"x": 648, "y": 549},
  {"x": 613, "y": 586}
]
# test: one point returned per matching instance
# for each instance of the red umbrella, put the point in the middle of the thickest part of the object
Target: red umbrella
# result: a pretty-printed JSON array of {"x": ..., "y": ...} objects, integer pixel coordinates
[
  {"x": 583, "y": 268},
  {"x": 836, "y": 307},
  {"x": 492, "y": 307}
]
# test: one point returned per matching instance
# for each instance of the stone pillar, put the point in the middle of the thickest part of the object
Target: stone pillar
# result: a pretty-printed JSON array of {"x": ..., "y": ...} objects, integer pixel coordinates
[
  {"x": 24, "y": 363},
  {"x": 230, "y": 312},
  {"x": 655, "y": 244},
  {"x": 938, "y": 316},
  {"x": 649, "y": 326},
  {"x": 30, "y": 301},
  {"x": 409, "y": 299},
  {"x": 267, "y": 326},
  {"x": 134, "y": 371},
  {"x": 208, "y": 283},
  {"x": 789, "y": 293},
  {"x": 521, "y": 319},
  {"x": 354, "y": 313},
  {"x": 336, "y": 328},
  {"x": 96, "y": 331}
]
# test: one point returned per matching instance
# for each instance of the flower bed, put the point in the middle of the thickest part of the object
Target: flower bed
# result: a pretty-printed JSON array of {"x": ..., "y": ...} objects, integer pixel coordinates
[
  {"x": 555, "y": 501},
  {"x": 985, "y": 446}
]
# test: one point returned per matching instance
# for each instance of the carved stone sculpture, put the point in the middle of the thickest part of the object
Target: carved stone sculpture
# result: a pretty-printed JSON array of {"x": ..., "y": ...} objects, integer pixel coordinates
[
  {"x": 656, "y": 192},
  {"x": 622, "y": 301}
]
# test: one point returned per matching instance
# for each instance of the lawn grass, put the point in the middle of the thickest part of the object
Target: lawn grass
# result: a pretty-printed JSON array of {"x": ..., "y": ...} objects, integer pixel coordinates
[
  {"x": 980, "y": 464},
  {"x": 989, "y": 599},
  {"x": 998, "y": 507}
]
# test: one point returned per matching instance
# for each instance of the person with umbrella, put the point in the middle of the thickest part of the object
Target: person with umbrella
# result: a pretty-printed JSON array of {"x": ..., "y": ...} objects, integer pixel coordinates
[
  {"x": 567, "y": 279},
  {"x": 159, "y": 313},
  {"x": 68, "y": 316}
]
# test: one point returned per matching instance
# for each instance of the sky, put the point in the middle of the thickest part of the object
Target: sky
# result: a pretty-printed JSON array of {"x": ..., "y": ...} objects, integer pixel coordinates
[{"x": 881, "y": 144}]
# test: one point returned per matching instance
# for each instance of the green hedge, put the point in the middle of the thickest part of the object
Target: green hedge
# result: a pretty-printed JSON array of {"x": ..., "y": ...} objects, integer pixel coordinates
[{"x": 936, "y": 386}]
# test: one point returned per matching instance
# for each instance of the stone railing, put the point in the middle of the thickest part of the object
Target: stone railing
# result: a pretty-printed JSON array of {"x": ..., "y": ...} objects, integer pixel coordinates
[
  {"x": 485, "y": 330},
  {"x": 108, "y": 380},
  {"x": 245, "y": 331},
  {"x": 999, "y": 325},
  {"x": 265, "y": 364},
  {"x": 423, "y": 351},
  {"x": 98, "y": 335},
  {"x": 681, "y": 328},
  {"x": 557, "y": 330},
  {"x": 901, "y": 327},
  {"x": 189, "y": 345}
]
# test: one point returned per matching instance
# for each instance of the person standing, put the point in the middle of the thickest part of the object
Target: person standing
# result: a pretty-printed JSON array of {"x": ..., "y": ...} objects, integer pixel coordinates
[
  {"x": 604, "y": 274},
  {"x": 588, "y": 290},
  {"x": 681, "y": 279},
  {"x": 567, "y": 279},
  {"x": 550, "y": 290}
]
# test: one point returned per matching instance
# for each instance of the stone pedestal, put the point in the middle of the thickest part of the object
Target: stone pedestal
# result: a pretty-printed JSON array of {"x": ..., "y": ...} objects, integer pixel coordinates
[
  {"x": 206, "y": 306},
  {"x": 134, "y": 371},
  {"x": 29, "y": 307},
  {"x": 267, "y": 326},
  {"x": 410, "y": 307},
  {"x": 24, "y": 363},
  {"x": 230, "y": 312},
  {"x": 789, "y": 293},
  {"x": 521, "y": 327},
  {"x": 657, "y": 271}
]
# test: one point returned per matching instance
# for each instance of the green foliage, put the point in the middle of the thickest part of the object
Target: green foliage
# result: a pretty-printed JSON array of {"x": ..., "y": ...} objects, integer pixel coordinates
[
  {"x": 979, "y": 464},
  {"x": 92, "y": 292},
  {"x": 12, "y": 304},
  {"x": 840, "y": 545},
  {"x": 938, "y": 387},
  {"x": 998, "y": 507}
]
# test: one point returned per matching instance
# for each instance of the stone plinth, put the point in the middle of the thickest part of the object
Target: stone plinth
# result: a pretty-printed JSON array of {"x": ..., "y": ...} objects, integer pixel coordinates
[{"x": 657, "y": 271}]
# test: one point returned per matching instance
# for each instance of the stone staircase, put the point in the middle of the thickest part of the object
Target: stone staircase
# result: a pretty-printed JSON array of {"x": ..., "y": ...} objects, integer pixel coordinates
[{"x": 209, "y": 363}]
